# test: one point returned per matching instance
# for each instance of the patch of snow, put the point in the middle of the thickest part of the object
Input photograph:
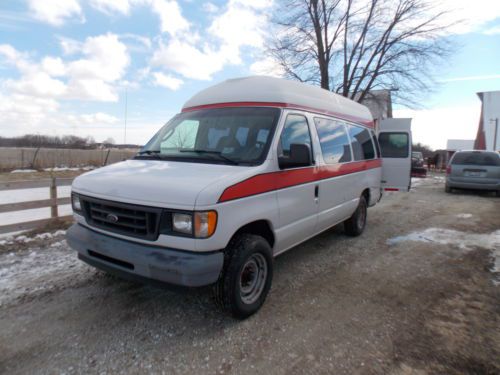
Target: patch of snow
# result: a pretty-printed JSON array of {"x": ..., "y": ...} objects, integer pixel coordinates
[
  {"x": 23, "y": 171},
  {"x": 464, "y": 216},
  {"x": 439, "y": 178},
  {"x": 58, "y": 169},
  {"x": 417, "y": 181},
  {"x": 462, "y": 240},
  {"x": 36, "y": 271}
]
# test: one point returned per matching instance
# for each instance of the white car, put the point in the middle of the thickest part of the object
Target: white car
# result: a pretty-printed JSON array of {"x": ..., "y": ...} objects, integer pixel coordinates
[{"x": 250, "y": 168}]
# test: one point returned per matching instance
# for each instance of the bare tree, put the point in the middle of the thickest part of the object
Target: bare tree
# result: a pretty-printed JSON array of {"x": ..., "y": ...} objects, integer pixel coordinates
[{"x": 354, "y": 46}]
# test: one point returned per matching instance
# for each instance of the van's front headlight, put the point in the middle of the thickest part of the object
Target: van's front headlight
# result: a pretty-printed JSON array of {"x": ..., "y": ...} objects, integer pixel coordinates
[
  {"x": 76, "y": 203},
  {"x": 198, "y": 224},
  {"x": 182, "y": 223}
]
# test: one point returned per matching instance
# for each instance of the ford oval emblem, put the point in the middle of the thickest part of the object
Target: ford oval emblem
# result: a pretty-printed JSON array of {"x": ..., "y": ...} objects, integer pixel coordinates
[{"x": 112, "y": 218}]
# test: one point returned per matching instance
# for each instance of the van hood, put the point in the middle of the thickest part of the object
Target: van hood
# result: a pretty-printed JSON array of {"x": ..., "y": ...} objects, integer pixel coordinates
[{"x": 158, "y": 183}]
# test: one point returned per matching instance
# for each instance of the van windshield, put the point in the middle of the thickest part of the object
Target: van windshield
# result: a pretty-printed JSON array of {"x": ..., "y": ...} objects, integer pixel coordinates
[
  {"x": 476, "y": 158},
  {"x": 239, "y": 136}
]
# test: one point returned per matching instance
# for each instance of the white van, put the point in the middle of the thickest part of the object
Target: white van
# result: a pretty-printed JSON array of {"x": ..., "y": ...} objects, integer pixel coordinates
[{"x": 250, "y": 168}]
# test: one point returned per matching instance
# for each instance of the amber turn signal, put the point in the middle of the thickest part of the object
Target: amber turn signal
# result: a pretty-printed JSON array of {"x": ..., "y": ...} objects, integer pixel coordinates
[{"x": 205, "y": 223}]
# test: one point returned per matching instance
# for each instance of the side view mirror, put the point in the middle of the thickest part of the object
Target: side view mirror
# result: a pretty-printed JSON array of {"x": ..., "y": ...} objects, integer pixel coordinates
[{"x": 300, "y": 156}]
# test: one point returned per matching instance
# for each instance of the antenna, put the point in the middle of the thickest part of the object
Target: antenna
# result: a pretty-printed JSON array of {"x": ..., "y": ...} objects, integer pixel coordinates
[{"x": 125, "y": 127}]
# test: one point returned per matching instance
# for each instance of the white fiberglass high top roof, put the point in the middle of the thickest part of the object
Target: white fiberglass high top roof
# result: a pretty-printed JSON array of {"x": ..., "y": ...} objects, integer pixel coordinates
[{"x": 283, "y": 93}]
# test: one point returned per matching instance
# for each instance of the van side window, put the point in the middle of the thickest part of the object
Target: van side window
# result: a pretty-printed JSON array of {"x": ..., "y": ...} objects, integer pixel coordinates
[
  {"x": 334, "y": 141},
  {"x": 375, "y": 142},
  {"x": 362, "y": 146},
  {"x": 394, "y": 145},
  {"x": 295, "y": 130}
]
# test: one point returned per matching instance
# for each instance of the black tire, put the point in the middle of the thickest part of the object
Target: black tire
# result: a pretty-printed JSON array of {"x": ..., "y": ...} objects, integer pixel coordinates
[
  {"x": 244, "y": 252},
  {"x": 355, "y": 225},
  {"x": 498, "y": 193},
  {"x": 447, "y": 189}
]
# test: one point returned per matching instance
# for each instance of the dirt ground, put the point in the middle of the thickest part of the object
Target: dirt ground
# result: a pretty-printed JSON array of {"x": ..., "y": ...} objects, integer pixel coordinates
[{"x": 415, "y": 294}]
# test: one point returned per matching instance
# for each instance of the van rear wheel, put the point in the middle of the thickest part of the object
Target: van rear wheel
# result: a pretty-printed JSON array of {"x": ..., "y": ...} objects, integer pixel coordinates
[
  {"x": 355, "y": 225},
  {"x": 246, "y": 278}
]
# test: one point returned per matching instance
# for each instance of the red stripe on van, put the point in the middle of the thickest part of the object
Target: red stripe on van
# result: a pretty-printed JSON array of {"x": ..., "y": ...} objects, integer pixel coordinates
[
  {"x": 267, "y": 182},
  {"x": 391, "y": 189},
  {"x": 356, "y": 119}
]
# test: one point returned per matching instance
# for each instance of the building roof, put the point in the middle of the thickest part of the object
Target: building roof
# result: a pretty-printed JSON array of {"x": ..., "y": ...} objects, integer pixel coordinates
[
  {"x": 282, "y": 93},
  {"x": 459, "y": 144}
]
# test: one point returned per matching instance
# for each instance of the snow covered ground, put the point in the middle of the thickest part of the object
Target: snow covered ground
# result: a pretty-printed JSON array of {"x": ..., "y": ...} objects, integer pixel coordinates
[
  {"x": 38, "y": 270},
  {"x": 458, "y": 239}
]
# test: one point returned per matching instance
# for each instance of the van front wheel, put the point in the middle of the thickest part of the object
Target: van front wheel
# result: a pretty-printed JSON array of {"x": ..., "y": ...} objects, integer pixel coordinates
[
  {"x": 246, "y": 277},
  {"x": 355, "y": 225}
]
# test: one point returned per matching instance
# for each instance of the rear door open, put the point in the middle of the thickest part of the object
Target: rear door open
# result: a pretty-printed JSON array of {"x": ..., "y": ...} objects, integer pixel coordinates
[{"x": 394, "y": 138}]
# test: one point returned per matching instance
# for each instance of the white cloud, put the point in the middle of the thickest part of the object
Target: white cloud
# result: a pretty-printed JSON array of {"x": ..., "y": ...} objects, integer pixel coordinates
[
  {"x": 53, "y": 66},
  {"x": 70, "y": 46},
  {"x": 55, "y": 12},
  {"x": 472, "y": 15},
  {"x": 106, "y": 58},
  {"x": 187, "y": 60},
  {"x": 38, "y": 84},
  {"x": 267, "y": 67},
  {"x": 168, "y": 81},
  {"x": 111, "y": 6},
  {"x": 103, "y": 62},
  {"x": 171, "y": 19},
  {"x": 241, "y": 24},
  {"x": 435, "y": 126},
  {"x": 22, "y": 114},
  {"x": 33, "y": 101},
  {"x": 96, "y": 118},
  {"x": 492, "y": 31}
]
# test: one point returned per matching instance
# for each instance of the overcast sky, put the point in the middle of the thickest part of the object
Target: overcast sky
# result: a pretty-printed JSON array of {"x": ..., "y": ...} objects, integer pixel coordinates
[{"x": 65, "y": 65}]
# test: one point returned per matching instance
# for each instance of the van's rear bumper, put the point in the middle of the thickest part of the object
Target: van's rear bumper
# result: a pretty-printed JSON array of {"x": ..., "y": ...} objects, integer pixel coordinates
[
  {"x": 472, "y": 185},
  {"x": 145, "y": 262}
]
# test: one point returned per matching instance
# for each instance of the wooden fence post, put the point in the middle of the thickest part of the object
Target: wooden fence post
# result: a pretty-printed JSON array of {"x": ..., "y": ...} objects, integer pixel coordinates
[
  {"x": 107, "y": 156},
  {"x": 53, "y": 197}
]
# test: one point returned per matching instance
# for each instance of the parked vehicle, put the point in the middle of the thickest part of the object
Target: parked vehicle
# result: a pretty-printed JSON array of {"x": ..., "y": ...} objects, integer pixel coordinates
[
  {"x": 249, "y": 169},
  {"x": 417, "y": 164},
  {"x": 475, "y": 170}
]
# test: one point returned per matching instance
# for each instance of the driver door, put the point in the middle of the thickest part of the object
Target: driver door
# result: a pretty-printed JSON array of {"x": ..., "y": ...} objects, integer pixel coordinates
[{"x": 298, "y": 197}]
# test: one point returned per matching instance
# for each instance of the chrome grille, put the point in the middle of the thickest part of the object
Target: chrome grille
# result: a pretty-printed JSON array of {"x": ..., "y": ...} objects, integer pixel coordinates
[{"x": 122, "y": 218}]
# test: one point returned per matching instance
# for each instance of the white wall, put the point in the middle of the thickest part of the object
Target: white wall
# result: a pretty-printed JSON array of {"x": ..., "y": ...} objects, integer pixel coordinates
[{"x": 491, "y": 110}]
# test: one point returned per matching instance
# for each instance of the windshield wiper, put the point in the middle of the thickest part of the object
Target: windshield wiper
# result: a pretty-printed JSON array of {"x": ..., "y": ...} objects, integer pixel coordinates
[
  {"x": 148, "y": 153},
  {"x": 212, "y": 152}
]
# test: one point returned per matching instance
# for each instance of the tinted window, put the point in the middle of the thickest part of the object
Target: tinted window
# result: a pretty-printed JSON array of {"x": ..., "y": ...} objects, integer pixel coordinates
[
  {"x": 476, "y": 158},
  {"x": 362, "y": 146},
  {"x": 394, "y": 145},
  {"x": 334, "y": 141},
  {"x": 295, "y": 130}
]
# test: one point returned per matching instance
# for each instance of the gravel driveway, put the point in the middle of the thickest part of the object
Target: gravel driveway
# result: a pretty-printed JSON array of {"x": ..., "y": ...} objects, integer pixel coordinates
[{"x": 417, "y": 293}]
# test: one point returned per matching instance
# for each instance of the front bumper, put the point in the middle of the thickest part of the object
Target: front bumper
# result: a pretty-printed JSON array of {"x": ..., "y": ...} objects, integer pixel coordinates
[{"x": 145, "y": 262}]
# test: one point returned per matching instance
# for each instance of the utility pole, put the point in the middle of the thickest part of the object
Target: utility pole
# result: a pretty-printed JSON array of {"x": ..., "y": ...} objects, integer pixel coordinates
[{"x": 125, "y": 128}]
